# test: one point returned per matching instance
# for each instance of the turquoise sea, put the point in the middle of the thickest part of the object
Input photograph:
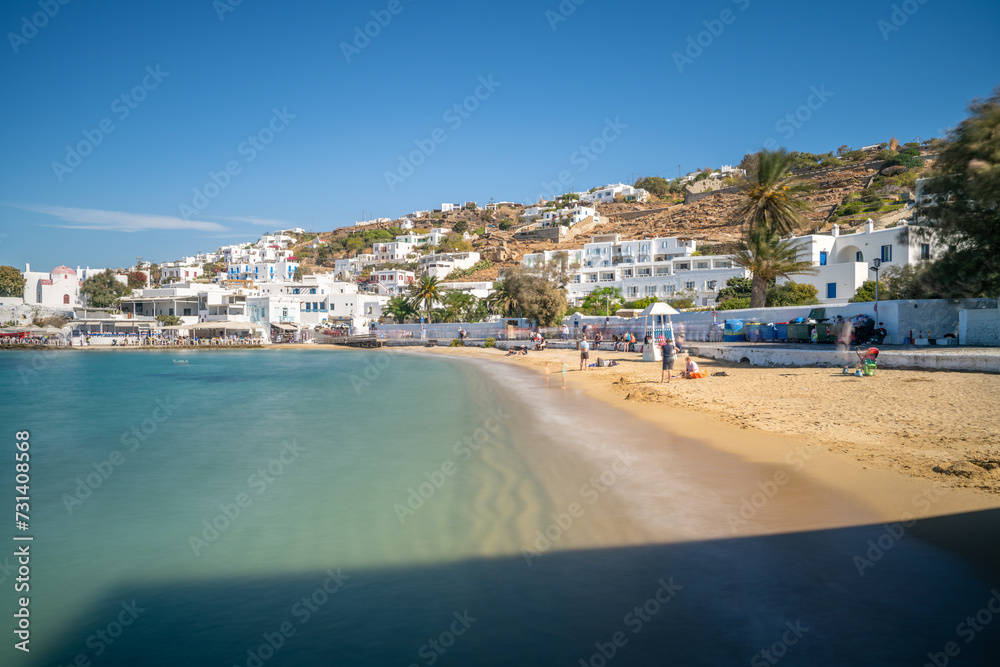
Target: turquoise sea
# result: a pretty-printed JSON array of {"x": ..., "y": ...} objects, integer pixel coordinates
[{"x": 299, "y": 507}]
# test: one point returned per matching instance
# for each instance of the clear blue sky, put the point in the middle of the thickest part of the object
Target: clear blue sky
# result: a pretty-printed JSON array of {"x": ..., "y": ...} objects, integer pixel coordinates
[{"x": 558, "y": 79}]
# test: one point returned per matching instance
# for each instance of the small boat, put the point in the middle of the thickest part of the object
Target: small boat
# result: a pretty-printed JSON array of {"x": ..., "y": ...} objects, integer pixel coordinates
[{"x": 180, "y": 361}]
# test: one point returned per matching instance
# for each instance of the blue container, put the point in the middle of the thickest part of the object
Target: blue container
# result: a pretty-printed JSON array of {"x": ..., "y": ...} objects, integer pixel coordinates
[
  {"x": 753, "y": 333},
  {"x": 781, "y": 332},
  {"x": 767, "y": 332}
]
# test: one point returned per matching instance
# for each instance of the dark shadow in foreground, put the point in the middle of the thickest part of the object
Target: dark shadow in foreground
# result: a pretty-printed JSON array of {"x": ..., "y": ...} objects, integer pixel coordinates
[{"x": 866, "y": 595}]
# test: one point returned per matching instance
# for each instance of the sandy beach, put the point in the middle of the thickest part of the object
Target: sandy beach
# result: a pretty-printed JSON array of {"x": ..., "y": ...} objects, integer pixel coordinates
[{"x": 875, "y": 435}]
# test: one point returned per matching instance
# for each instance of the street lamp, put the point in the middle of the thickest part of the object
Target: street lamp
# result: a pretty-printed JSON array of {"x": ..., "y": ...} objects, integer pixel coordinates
[{"x": 877, "y": 262}]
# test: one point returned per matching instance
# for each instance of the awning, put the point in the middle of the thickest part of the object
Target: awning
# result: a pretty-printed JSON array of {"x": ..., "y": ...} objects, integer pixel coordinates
[{"x": 284, "y": 326}]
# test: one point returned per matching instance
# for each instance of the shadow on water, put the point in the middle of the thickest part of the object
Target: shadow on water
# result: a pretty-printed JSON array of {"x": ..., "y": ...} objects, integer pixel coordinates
[{"x": 799, "y": 596}]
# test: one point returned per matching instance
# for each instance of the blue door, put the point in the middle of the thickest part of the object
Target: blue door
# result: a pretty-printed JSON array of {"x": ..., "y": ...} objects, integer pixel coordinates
[
  {"x": 831, "y": 290},
  {"x": 822, "y": 258}
]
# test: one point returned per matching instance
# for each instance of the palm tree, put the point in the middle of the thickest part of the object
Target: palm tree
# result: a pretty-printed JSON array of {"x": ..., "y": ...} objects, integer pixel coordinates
[
  {"x": 772, "y": 200},
  {"x": 767, "y": 257},
  {"x": 501, "y": 302},
  {"x": 425, "y": 293}
]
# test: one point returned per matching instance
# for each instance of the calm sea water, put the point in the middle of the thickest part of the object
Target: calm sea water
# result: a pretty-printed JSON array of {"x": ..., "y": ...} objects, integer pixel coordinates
[{"x": 317, "y": 508}]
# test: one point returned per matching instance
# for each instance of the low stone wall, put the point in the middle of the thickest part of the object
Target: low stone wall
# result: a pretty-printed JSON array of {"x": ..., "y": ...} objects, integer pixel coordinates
[
  {"x": 778, "y": 356},
  {"x": 979, "y": 327}
]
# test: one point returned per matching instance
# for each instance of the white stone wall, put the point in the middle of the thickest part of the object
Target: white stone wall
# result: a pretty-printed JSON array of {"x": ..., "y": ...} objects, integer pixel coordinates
[{"x": 979, "y": 327}]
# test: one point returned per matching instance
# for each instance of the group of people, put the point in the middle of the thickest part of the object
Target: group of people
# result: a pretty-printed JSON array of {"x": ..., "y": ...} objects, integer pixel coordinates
[{"x": 670, "y": 352}]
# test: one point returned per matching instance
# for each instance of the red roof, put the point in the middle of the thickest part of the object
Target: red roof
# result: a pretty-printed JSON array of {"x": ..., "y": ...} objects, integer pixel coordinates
[{"x": 63, "y": 269}]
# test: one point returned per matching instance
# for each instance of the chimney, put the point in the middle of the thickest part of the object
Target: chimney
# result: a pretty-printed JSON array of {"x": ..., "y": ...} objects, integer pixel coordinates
[
  {"x": 835, "y": 232},
  {"x": 869, "y": 226},
  {"x": 27, "y": 267}
]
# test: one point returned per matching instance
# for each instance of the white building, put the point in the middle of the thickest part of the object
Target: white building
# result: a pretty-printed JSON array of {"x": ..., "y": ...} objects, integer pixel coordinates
[
  {"x": 573, "y": 216},
  {"x": 315, "y": 300},
  {"x": 845, "y": 261},
  {"x": 263, "y": 271},
  {"x": 441, "y": 264},
  {"x": 394, "y": 251},
  {"x": 181, "y": 272},
  {"x": 59, "y": 288},
  {"x": 394, "y": 282},
  {"x": 608, "y": 193},
  {"x": 448, "y": 208},
  {"x": 662, "y": 267}
]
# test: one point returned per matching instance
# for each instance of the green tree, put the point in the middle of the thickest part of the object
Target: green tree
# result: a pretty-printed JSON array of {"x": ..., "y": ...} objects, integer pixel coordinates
[
  {"x": 400, "y": 308},
  {"x": 654, "y": 185},
  {"x": 455, "y": 243},
  {"x": 168, "y": 320},
  {"x": 603, "y": 301},
  {"x": 866, "y": 292},
  {"x": 424, "y": 293},
  {"x": 966, "y": 219},
  {"x": 297, "y": 275},
  {"x": 791, "y": 294},
  {"x": 736, "y": 288},
  {"x": 460, "y": 226},
  {"x": 457, "y": 305},
  {"x": 11, "y": 282},
  {"x": 538, "y": 298},
  {"x": 767, "y": 258},
  {"x": 103, "y": 290},
  {"x": 772, "y": 200}
]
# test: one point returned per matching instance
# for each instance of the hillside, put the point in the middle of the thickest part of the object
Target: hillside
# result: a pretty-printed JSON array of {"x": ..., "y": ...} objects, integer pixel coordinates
[{"x": 847, "y": 195}]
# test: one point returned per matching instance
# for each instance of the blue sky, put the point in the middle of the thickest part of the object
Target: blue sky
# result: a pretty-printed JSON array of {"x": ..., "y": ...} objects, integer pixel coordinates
[{"x": 309, "y": 129}]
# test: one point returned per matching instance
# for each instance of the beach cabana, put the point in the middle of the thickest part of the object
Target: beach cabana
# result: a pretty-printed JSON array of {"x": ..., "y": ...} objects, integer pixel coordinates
[{"x": 656, "y": 323}]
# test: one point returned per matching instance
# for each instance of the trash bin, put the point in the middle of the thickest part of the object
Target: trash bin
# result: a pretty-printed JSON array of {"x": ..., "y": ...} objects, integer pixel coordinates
[
  {"x": 798, "y": 331},
  {"x": 767, "y": 333},
  {"x": 733, "y": 331},
  {"x": 781, "y": 332}
]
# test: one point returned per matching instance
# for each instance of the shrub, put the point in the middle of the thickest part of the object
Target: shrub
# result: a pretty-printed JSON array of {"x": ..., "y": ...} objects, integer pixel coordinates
[
  {"x": 455, "y": 342},
  {"x": 851, "y": 209},
  {"x": 831, "y": 162},
  {"x": 505, "y": 225},
  {"x": 884, "y": 154},
  {"x": 490, "y": 342},
  {"x": 895, "y": 170},
  {"x": 737, "y": 303},
  {"x": 908, "y": 161},
  {"x": 915, "y": 152}
]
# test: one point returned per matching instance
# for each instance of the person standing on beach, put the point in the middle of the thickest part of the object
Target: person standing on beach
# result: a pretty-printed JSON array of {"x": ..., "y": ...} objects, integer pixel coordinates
[
  {"x": 669, "y": 351},
  {"x": 584, "y": 354}
]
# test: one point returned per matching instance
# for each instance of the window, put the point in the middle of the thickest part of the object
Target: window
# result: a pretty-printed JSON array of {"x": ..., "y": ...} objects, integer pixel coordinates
[
  {"x": 831, "y": 290},
  {"x": 859, "y": 257},
  {"x": 187, "y": 312},
  {"x": 689, "y": 285},
  {"x": 684, "y": 267},
  {"x": 925, "y": 251},
  {"x": 822, "y": 258},
  {"x": 669, "y": 289},
  {"x": 65, "y": 298},
  {"x": 701, "y": 265},
  {"x": 711, "y": 284},
  {"x": 887, "y": 253}
]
